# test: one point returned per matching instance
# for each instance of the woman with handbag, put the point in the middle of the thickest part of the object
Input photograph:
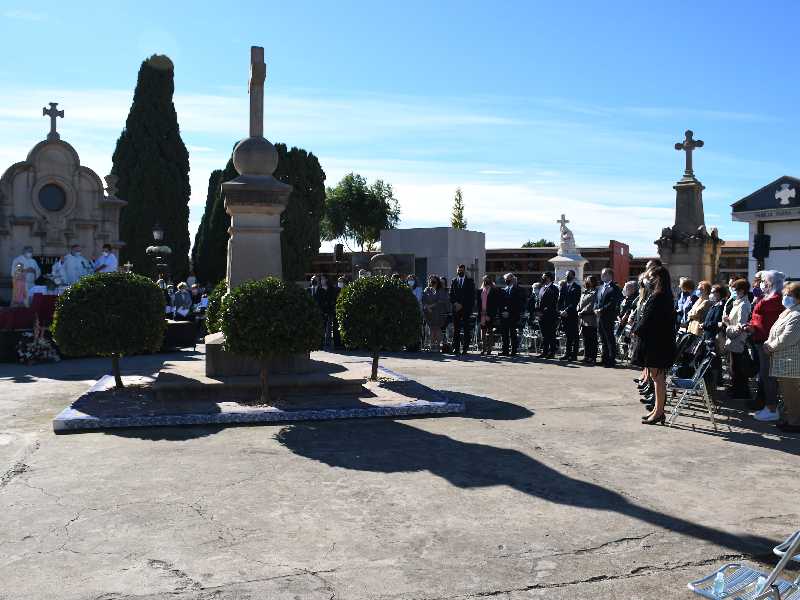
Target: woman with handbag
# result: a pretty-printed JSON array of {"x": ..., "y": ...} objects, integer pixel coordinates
[{"x": 736, "y": 342}]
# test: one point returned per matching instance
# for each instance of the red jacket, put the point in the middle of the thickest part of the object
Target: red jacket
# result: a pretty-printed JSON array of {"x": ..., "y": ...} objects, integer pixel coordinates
[{"x": 765, "y": 313}]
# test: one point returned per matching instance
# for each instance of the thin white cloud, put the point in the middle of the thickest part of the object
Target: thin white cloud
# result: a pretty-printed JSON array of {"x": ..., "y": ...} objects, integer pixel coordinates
[{"x": 24, "y": 15}]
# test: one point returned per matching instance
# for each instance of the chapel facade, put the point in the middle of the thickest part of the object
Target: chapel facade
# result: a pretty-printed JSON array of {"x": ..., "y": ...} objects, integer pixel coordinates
[{"x": 50, "y": 201}]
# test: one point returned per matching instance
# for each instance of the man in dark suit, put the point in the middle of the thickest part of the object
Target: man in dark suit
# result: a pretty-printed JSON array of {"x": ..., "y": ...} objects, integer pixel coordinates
[
  {"x": 547, "y": 311},
  {"x": 568, "y": 299},
  {"x": 606, "y": 307},
  {"x": 462, "y": 297},
  {"x": 321, "y": 298},
  {"x": 513, "y": 304}
]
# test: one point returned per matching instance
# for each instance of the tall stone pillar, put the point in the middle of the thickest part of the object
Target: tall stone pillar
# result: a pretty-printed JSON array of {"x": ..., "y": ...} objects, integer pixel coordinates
[
  {"x": 687, "y": 249},
  {"x": 255, "y": 199}
]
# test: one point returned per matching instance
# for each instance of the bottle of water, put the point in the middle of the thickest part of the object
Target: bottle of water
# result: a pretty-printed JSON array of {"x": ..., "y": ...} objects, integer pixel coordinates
[
  {"x": 761, "y": 584},
  {"x": 719, "y": 585}
]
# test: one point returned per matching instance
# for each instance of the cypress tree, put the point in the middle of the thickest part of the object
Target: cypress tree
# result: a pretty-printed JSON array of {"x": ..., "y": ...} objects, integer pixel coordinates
[
  {"x": 152, "y": 164},
  {"x": 300, "y": 239},
  {"x": 199, "y": 246},
  {"x": 457, "y": 221},
  {"x": 301, "y": 219}
]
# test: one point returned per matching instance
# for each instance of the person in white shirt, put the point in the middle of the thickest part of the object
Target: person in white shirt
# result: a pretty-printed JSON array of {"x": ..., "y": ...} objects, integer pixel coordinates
[
  {"x": 76, "y": 265},
  {"x": 29, "y": 266},
  {"x": 106, "y": 262}
]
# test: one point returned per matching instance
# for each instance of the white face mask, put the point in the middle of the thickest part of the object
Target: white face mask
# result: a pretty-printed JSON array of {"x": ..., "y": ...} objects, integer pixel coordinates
[
  {"x": 340, "y": 284},
  {"x": 76, "y": 253},
  {"x": 789, "y": 301},
  {"x": 106, "y": 253},
  {"x": 714, "y": 297}
]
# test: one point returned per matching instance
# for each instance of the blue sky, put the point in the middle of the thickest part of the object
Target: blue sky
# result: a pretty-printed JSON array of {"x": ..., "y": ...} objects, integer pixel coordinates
[{"x": 533, "y": 108}]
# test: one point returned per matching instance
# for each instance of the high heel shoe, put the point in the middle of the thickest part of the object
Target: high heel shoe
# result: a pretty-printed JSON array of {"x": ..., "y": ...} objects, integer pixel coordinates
[
  {"x": 648, "y": 399},
  {"x": 657, "y": 421}
]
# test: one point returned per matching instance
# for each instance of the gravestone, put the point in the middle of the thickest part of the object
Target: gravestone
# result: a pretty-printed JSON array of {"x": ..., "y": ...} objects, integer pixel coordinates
[
  {"x": 687, "y": 248},
  {"x": 568, "y": 257}
]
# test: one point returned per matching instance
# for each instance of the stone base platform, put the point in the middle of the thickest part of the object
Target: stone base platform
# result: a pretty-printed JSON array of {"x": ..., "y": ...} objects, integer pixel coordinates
[{"x": 181, "y": 394}]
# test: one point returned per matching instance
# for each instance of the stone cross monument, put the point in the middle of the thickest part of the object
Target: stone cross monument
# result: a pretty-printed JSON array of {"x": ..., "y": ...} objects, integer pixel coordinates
[
  {"x": 255, "y": 199},
  {"x": 687, "y": 248},
  {"x": 53, "y": 113},
  {"x": 568, "y": 257}
]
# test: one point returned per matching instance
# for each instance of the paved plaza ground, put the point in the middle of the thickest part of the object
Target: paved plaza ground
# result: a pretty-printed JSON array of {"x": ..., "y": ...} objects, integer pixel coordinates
[{"x": 547, "y": 487}]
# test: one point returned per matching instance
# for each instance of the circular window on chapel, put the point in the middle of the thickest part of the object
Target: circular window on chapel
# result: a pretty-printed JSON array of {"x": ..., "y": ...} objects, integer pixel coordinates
[{"x": 52, "y": 197}]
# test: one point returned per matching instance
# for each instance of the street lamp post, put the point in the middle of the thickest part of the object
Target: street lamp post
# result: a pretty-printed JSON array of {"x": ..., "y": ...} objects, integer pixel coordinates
[{"x": 160, "y": 252}]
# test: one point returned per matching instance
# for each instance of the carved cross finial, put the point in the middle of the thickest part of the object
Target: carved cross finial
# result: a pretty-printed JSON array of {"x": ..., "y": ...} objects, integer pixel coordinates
[
  {"x": 562, "y": 221},
  {"x": 258, "y": 74},
  {"x": 688, "y": 145},
  {"x": 53, "y": 113}
]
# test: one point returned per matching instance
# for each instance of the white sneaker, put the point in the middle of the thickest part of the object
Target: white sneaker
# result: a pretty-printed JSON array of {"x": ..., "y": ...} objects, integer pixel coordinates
[{"x": 766, "y": 414}]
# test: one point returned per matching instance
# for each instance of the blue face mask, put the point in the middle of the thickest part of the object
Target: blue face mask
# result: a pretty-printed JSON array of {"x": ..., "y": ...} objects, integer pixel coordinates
[{"x": 789, "y": 301}]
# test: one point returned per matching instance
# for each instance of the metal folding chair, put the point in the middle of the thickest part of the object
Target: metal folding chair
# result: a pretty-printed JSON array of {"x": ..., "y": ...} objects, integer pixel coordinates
[
  {"x": 691, "y": 389},
  {"x": 740, "y": 582}
]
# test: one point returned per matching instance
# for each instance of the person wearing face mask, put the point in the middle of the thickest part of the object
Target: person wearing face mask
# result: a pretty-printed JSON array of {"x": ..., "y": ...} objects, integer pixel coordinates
[
  {"x": 765, "y": 313},
  {"x": 783, "y": 348},
  {"x": 736, "y": 339},
  {"x": 76, "y": 265},
  {"x": 589, "y": 321},
  {"x": 684, "y": 302},
  {"x": 712, "y": 328},
  {"x": 512, "y": 303},
  {"x": 655, "y": 331},
  {"x": 757, "y": 290},
  {"x": 547, "y": 311},
  {"x": 606, "y": 307},
  {"x": 697, "y": 313},
  {"x": 462, "y": 297},
  {"x": 106, "y": 262},
  {"x": 490, "y": 302},
  {"x": 29, "y": 268},
  {"x": 568, "y": 299}
]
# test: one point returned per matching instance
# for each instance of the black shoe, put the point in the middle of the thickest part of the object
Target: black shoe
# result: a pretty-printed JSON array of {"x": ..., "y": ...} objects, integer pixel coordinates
[
  {"x": 649, "y": 407},
  {"x": 787, "y": 428},
  {"x": 657, "y": 421},
  {"x": 754, "y": 405},
  {"x": 610, "y": 365},
  {"x": 648, "y": 399},
  {"x": 504, "y": 353},
  {"x": 514, "y": 353},
  {"x": 565, "y": 357}
]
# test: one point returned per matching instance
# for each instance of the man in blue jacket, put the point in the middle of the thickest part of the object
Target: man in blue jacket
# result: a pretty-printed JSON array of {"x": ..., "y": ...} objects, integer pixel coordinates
[{"x": 606, "y": 307}]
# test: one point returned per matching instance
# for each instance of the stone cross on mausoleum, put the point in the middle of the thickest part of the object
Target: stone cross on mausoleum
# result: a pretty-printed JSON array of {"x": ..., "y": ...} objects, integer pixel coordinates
[
  {"x": 53, "y": 113},
  {"x": 688, "y": 145}
]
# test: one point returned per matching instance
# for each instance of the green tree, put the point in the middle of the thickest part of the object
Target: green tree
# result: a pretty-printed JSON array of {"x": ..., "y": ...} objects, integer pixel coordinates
[
  {"x": 152, "y": 164},
  {"x": 457, "y": 221},
  {"x": 540, "y": 243},
  {"x": 110, "y": 314},
  {"x": 300, "y": 239},
  {"x": 198, "y": 248},
  {"x": 378, "y": 313},
  {"x": 357, "y": 211},
  {"x": 267, "y": 318}
]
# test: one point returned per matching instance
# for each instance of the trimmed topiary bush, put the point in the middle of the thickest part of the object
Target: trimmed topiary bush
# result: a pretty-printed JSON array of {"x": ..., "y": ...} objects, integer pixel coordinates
[
  {"x": 269, "y": 318},
  {"x": 214, "y": 309},
  {"x": 378, "y": 313},
  {"x": 110, "y": 314}
]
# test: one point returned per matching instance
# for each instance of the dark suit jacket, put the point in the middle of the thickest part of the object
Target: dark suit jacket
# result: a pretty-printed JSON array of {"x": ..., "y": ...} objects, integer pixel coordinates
[
  {"x": 569, "y": 298},
  {"x": 321, "y": 298},
  {"x": 513, "y": 302},
  {"x": 465, "y": 295},
  {"x": 608, "y": 300},
  {"x": 548, "y": 304}
]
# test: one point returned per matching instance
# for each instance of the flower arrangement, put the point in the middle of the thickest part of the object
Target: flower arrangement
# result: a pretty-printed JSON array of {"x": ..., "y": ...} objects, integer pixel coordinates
[{"x": 35, "y": 348}]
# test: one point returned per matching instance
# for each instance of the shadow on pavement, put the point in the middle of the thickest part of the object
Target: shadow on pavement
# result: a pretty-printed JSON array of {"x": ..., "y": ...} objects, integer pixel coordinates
[{"x": 399, "y": 447}]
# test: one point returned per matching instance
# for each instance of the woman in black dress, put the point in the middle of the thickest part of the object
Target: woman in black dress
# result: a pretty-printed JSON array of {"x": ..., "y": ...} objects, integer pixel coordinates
[{"x": 655, "y": 329}]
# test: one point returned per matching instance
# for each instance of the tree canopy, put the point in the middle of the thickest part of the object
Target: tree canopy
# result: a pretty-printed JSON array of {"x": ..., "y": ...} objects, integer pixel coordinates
[
  {"x": 152, "y": 164},
  {"x": 457, "y": 221},
  {"x": 540, "y": 243},
  {"x": 358, "y": 211}
]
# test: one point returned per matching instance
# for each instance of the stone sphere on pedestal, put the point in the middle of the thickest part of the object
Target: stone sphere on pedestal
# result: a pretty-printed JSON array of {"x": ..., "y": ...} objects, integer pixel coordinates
[{"x": 255, "y": 156}]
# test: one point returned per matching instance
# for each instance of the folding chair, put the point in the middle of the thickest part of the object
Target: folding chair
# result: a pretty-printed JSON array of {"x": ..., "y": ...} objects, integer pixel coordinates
[
  {"x": 781, "y": 548},
  {"x": 740, "y": 581},
  {"x": 694, "y": 388}
]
